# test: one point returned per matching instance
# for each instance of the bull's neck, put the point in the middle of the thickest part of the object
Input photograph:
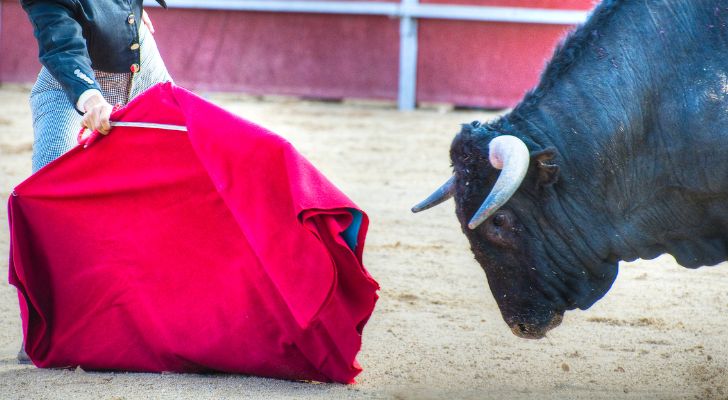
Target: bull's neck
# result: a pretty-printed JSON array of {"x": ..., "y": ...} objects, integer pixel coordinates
[{"x": 625, "y": 152}]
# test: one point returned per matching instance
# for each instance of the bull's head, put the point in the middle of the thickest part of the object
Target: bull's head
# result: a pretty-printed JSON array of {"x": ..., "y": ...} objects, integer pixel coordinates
[{"x": 501, "y": 189}]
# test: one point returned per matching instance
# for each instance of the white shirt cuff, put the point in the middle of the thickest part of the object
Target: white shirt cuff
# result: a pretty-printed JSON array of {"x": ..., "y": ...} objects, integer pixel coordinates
[{"x": 85, "y": 96}]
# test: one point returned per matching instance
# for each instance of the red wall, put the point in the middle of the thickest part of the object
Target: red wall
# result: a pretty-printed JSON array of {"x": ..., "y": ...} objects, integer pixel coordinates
[
  {"x": 18, "y": 48},
  {"x": 486, "y": 64},
  {"x": 324, "y": 56},
  {"x": 302, "y": 54}
]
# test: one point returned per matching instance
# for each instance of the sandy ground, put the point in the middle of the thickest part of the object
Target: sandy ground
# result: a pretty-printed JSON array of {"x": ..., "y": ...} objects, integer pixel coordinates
[{"x": 662, "y": 331}]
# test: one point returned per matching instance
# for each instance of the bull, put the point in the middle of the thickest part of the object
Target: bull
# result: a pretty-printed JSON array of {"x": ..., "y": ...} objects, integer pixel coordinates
[{"x": 620, "y": 152}]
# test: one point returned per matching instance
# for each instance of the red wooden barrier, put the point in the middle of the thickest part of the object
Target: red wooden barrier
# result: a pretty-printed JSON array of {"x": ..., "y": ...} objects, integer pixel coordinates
[
  {"x": 486, "y": 64},
  {"x": 482, "y": 64}
]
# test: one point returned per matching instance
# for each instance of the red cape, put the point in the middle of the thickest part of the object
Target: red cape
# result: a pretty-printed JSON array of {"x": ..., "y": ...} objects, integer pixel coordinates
[{"x": 219, "y": 249}]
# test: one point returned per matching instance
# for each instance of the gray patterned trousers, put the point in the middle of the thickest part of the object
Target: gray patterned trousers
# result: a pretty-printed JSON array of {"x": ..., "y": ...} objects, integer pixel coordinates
[{"x": 55, "y": 120}]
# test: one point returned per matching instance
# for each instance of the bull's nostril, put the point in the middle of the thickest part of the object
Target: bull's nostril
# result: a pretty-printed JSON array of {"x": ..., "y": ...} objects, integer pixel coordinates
[{"x": 522, "y": 328}]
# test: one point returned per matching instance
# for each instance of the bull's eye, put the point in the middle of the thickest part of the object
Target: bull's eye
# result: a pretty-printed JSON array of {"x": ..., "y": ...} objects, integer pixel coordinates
[{"x": 499, "y": 220}]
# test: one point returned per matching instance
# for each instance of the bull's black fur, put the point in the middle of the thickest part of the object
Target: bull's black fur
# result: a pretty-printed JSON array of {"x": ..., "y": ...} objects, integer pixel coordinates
[{"x": 633, "y": 108}]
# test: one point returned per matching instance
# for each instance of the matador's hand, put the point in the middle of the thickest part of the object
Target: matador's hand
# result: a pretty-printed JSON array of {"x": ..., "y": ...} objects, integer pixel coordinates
[{"x": 98, "y": 112}]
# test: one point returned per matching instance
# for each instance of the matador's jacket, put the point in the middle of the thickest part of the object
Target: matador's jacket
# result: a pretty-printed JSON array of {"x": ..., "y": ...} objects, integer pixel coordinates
[{"x": 77, "y": 36}]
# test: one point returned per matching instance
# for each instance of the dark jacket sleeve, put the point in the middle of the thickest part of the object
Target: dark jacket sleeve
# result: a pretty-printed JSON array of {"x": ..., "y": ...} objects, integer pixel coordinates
[{"x": 62, "y": 47}]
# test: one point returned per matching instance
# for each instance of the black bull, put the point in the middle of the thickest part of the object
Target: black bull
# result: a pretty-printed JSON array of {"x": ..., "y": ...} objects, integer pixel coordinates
[{"x": 625, "y": 157}]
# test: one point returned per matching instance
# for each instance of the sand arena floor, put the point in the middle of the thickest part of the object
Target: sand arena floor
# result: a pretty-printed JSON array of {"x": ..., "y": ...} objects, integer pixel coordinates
[{"x": 660, "y": 333}]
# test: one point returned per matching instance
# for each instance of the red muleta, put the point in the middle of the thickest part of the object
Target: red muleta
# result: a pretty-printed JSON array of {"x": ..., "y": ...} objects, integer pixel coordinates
[{"x": 219, "y": 249}]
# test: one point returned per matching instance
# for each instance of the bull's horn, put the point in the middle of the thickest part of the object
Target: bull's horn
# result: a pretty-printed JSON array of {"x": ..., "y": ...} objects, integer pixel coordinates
[
  {"x": 511, "y": 156},
  {"x": 443, "y": 193}
]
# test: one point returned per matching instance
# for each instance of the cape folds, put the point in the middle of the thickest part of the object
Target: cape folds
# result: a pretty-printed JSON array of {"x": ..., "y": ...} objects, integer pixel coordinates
[{"x": 219, "y": 249}]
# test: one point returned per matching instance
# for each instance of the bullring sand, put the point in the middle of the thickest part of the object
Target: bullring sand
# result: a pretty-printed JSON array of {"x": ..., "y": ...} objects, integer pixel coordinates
[{"x": 660, "y": 333}]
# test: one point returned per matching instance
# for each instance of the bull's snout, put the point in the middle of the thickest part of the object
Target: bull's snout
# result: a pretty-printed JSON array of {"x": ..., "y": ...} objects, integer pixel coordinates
[{"x": 531, "y": 331}]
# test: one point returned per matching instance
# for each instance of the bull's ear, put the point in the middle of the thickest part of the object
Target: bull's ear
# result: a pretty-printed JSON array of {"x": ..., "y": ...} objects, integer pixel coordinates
[{"x": 548, "y": 173}]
